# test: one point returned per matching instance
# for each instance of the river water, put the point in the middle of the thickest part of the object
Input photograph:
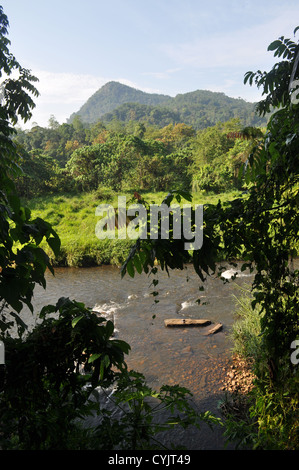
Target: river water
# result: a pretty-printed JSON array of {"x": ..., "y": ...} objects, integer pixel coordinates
[{"x": 184, "y": 356}]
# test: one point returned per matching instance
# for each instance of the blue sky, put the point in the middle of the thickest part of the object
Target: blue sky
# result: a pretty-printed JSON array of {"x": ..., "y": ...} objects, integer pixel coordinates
[{"x": 165, "y": 46}]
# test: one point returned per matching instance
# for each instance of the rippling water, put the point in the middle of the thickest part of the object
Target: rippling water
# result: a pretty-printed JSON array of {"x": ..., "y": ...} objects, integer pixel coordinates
[
  {"x": 164, "y": 355},
  {"x": 132, "y": 306}
]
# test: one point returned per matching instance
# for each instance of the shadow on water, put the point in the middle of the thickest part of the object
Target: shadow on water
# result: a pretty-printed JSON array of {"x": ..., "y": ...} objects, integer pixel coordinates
[{"x": 184, "y": 356}]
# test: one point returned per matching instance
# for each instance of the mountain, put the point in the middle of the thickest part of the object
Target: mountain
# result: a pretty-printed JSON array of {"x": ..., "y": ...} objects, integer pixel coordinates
[
  {"x": 113, "y": 95},
  {"x": 200, "y": 108}
]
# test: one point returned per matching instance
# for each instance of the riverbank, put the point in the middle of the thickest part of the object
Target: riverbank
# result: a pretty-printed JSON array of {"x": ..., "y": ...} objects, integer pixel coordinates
[
  {"x": 184, "y": 356},
  {"x": 73, "y": 217}
]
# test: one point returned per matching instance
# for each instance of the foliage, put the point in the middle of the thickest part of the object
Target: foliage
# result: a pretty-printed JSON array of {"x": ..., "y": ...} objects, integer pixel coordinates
[
  {"x": 72, "y": 216},
  {"x": 51, "y": 372},
  {"x": 268, "y": 214},
  {"x": 266, "y": 418},
  {"x": 135, "y": 158},
  {"x": 115, "y": 102},
  {"x": 261, "y": 229},
  {"x": 246, "y": 331},
  {"x": 44, "y": 391},
  {"x": 126, "y": 162},
  {"x": 277, "y": 83},
  {"x": 61, "y": 374},
  {"x": 148, "y": 414},
  {"x": 22, "y": 261}
]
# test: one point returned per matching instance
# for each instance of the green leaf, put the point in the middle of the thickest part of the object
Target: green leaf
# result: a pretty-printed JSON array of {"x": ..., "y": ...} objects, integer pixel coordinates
[
  {"x": 247, "y": 76},
  {"x": 142, "y": 257},
  {"x": 274, "y": 45},
  {"x": 94, "y": 357},
  {"x": 46, "y": 310},
  {"x": 137, "y": 264},
  {"x": 109, "y": 328},
  {"x": 76, "y": 320},
  {"x": 130, "y": 268},
  {"x": 122, "y": 345},
  {"x": 186, "y": 195},
  {"x": 105, "y": 362},
  {"x": 54, "y": 243}
]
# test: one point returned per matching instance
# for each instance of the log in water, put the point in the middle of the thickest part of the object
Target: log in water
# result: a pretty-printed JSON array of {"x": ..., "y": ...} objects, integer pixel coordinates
[
  {"x": 215, "y": 329},
  {"x": 186, "y": 322},
  {"x": 184, "y": 356}
]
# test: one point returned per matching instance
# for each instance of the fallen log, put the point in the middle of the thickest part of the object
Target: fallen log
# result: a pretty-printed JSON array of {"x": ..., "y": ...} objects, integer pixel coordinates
[
  {"x": 214, "y": 330},
  {"x": 186, "y": 322}
]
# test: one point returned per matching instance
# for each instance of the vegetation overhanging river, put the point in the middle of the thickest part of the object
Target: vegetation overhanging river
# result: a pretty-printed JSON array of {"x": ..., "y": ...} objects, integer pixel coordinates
[{"x": 184, "y": 356}]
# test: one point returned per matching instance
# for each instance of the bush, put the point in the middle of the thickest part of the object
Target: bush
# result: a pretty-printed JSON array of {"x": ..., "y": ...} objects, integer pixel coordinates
[
  {"x": 53, "y": 375},
  {"x": 267, "y": 418},
  {"x": 246, "y": 333}
]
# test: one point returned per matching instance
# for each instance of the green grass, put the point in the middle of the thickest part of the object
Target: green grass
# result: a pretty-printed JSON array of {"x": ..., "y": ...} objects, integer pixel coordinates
[
  {"x": 73, "y": 218},
  {"x": 246, "y": 331}
]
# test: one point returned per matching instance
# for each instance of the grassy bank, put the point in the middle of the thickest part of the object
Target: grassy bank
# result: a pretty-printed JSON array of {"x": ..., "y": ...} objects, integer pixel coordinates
[
  {"x": 73, "y": 218},
  {"x": 266, "y": 416}
]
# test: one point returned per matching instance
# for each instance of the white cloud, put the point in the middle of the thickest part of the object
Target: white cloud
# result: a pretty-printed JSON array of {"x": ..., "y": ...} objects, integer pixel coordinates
[
  {"x": 62, "y": 94},
  {"x": 238, "y": 48}
]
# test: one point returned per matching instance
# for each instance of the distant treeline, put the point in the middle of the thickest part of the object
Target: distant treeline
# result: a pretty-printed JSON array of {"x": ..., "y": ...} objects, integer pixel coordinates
[
  {"x": 199, "y": 109},
  {"x": 132, "y": 156}
]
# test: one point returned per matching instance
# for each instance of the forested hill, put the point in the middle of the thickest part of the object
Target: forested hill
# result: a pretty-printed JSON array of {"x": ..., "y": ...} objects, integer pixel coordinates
[
  {"x": 199, "y": 109},
  {"x": 111, "y": 96}
]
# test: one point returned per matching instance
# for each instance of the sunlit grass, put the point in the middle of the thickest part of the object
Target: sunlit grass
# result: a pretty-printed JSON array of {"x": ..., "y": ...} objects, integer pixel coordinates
[{"x": 73, "y": 218}]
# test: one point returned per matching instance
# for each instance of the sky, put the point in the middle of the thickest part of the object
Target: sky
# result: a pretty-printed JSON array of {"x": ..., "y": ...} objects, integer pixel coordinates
[{"x": 166, "y": 46}]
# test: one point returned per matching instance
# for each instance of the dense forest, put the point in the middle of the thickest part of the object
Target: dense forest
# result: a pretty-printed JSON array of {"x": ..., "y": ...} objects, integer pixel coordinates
[
  {"x": 199, "y": 109},
  {"x": 132, "y": 156},
  {"x": 125, "y": 139},
  {"x": 69, "y": 169},
  {"x": 52, "y": 373}
]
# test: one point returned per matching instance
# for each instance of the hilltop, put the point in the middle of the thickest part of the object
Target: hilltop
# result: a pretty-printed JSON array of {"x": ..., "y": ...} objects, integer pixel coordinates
[
  {"x": 200, "y": 108},
  {"x": 111, "y": 96}
]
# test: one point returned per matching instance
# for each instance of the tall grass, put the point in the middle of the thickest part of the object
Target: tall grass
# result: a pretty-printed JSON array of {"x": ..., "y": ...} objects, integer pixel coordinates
[
  {"x": 73, "y": 217},
  {"x": 268, "y": 418},
  {"x": 246, "y": 330}
]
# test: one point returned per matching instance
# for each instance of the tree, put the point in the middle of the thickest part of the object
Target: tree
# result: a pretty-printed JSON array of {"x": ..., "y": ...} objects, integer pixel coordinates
[
  {"x": 51, "y": 372},
  {"x": 260, "y": 229},
  {"x": 277, "y": 84},
  {"x": 82, "y": 166},
  {"x": 218, "y": 153},
  {"x": 21, "y": 268},
  {"x": 53, "y": 123}
]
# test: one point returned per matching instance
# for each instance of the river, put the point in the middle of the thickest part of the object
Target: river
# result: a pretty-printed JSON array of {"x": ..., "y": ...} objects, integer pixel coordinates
[{"x": 164, "y": 355}]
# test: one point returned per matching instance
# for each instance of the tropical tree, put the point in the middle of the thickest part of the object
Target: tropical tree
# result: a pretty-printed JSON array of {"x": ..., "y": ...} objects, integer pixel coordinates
[
  {"x": 262, "y": 228},
  {"x": 23, "y": 267},
  {"x": 51, "y": 371}
]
